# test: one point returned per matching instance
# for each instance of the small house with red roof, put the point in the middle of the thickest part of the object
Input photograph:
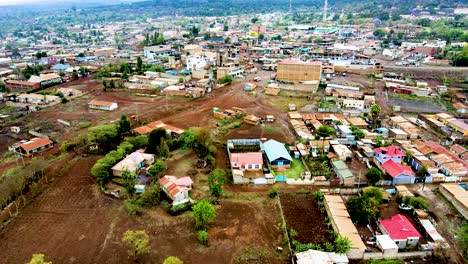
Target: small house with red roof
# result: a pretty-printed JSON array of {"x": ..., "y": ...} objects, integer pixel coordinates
[
  {"x": 35, "y": 145},
  {"x": 400, "y": 230},
  {"x": 384, "y": 154},
  {"x": 102, "y": 105},
  {"x": 401, "y": 174},
  {"x": 177, "y": 188},
  {"x": 247, "y": 161}
]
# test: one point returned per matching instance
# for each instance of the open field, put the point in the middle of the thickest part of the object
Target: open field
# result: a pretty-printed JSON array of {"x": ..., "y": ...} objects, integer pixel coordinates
[
  {"x": 72, "y": 222},
  {"x": 302, "y": 213}
]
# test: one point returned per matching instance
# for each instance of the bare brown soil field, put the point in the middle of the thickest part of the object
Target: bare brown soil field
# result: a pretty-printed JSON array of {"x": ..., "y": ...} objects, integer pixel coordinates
[
  {"x": 302, "y": 213},
  {"x": 72, "y": 222}
]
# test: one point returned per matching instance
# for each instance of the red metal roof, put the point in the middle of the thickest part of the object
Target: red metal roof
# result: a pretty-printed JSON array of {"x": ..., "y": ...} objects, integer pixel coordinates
[
  {"x": 35, "y": 143},
  {"x": 391, "y": 151},
  {"x": 247, "y": 158},
  {"x": 399, "y": 227},
  {"x": 395, "y": 169}
]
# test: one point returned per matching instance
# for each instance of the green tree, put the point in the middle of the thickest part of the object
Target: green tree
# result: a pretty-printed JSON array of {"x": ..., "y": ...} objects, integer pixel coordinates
[
  {"x": 254, "y": 20},
  {"x": 130, "y": 181},
  {"x": 374, "y": 175},
  {"x": 422, "y": 172},
  {"x": 203, "y": 237},
  {"x": 261, "y": 36},
  {"x": 342, "y": 244},
  {"x": 163, "y": 149},
  {"x": 137, "y": 243},
  {"x": 173, "y": 260},
  {"x": 160, "y": 40},
  {"x": 157, "y": 68},
  {"x": 418, "y": 203},
  {"x": 204, "y": 212},
  {"x": 226, "y": 79},
  {"x": 225, "y": 27},
  {"x": 324, "y": 131},
  {"x": 379, "y": 33},
  {"x": 375, "y": 193},
  {"x": 3, "y": 88},
  {"x": 39, "y": 259},
  {"x": 157, "y": 169},
  {"x": 462, "y": 239},
  {"x": 155, "y": 137},
  {"x": 363, "y": 209},
  {"x": 216, "y": 180},
  {"x": 151, "y": 196},
  {"x": 124, "y": 125},
  {"x": 375, "y": 112},
  {"x": 139, "y": 67},
  {"x": 358, "y": 133}
]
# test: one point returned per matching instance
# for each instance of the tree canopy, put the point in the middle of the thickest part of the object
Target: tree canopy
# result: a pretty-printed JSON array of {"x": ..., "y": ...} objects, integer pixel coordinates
[
  {"x": 325, "y": 131},
  {"x": 137, "y": 243},
  {"x": 373, "y": 175},
  {"x": 204, "y": 212},
  {"x": 216, "y": 180},
  {"x": 39, "y": 259},
  {"x": 173, "y": 260}
]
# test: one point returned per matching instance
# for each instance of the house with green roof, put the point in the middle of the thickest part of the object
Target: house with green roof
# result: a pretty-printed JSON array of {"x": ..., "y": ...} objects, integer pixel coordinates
[{"x": 343, "y": 173}]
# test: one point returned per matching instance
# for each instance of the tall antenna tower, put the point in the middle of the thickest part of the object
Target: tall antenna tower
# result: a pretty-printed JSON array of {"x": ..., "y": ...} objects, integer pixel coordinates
[
  {"x": 325, "y": 9},
  {"x": 290, "y": 6}
]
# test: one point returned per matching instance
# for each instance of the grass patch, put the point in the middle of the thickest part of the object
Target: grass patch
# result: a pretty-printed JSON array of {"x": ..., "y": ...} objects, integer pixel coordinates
[
  {"x": 294, "y": 172},
  {"x": 414, "y": 97}
]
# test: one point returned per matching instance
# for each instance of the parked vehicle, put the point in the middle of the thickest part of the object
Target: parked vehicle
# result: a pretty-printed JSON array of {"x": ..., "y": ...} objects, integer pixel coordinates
[
  {"x": 257, "y": 79},
  {"x": 404, "y": 207}
]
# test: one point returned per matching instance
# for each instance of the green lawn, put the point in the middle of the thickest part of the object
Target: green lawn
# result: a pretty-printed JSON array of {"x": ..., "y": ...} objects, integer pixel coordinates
[{"x": 294, "y": 172}]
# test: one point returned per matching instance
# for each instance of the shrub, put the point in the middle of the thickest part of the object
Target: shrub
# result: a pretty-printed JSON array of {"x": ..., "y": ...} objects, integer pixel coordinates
[
  {"x": 273, "y": 192},
  {"x": 292, "y": 232},
  {"x": 342, "y": 244},
  {"x": 133, "y": 208},
  {"x": 418, "y": 203},
  {"x": 203, "y": 237}
]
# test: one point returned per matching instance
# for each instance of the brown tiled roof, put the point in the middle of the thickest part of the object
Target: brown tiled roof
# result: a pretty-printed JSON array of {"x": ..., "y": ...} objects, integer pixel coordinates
[{"x": 100, "y": 103}]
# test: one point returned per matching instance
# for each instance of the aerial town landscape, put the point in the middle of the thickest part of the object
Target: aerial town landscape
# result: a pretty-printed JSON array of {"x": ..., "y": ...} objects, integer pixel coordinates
[{"x": 234, "y": 131}]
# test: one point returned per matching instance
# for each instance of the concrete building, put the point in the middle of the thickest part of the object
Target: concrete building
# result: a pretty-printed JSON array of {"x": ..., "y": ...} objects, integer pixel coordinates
[
  {"x": 157, "y": 51},
  {"x": 200, "y": 60},
  {"x": 457, "y": 196},
  {"x": 400, "y": 230},
  {"x": 387, "y": 245}
]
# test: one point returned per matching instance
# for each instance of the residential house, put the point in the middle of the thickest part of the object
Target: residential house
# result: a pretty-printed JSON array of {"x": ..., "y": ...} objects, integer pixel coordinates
[
  {"x": 60, "y": 67},
  {"x": 387, "y": 245},
  {"x": 37, "y": 98},
  {"x": 461, "y": 108},
  {"x": 252, "y": 120},
  {"x": 400, "y": 230},
  {"x": 250, "y": 86},
  {"x": 247, "y": 161},
  {"x": 102, "y": 105},
  {"x": 46, "y": 79},
  {"x": 319, "y": 146},
  {"x": 383, "y": 154},
  {"x": 353, "y": 104},
  {"x": 277, "y": 154},
  {"x": 173, "y": 131},
  {"x": 231, "y": 70},
  {"x": 201, "y": 60},
  {"x": 157, "y": 51},
  {"x": 343, "y": 173},
  {"x": 342, "y": 152},
  {"x": 401, "y": 174},
  {"x": 30, "y": 147},
  {"x": 457, "y": 196},
  {"x": 133, "y": 163},
  {"x": 15, "y": 85},
  {"x": 177, "y": 188}
]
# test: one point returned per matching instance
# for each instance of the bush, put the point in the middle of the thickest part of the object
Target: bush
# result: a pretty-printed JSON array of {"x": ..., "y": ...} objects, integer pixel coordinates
[
  {"x": 203, "y": 237},
  {"x": 179, "y": 209},
  {"x": 342, "y": 244},
  {"x": 151, "y": 196},
  {"x": 292, "y": 232},
  {"x": 418, "y": 203},
  {"x": 273, "y": 192},
  {"x": 133, "y": 208}
]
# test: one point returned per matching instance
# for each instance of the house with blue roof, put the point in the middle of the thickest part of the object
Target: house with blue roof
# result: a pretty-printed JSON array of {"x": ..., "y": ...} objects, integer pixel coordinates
[
  {"x": 277, "y": 154},
  {"x": 60, "y": 67}
]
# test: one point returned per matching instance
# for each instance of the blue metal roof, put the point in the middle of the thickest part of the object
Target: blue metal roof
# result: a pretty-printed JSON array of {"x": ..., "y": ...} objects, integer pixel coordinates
[
  {"x": 60, "y": 67},
  {"x": 275, "y": 150}
]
